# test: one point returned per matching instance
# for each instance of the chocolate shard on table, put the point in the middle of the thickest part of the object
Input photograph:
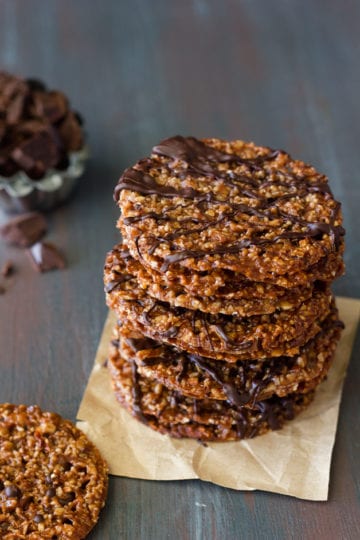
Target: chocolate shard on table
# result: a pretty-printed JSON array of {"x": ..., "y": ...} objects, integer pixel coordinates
[
  {"x": 24, "y": 230},
  {"x": 7, "y": 269},
  {"x": 221, "y": 286},
  {"x": 46, "y": 256}
]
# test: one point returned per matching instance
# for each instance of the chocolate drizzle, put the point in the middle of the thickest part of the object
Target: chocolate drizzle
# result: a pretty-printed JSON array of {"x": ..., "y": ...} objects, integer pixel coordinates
[
  {"x": 202, "y": 160},
  {"x": 244, "y": 381},
  {"x": 203, "y": 202},
  {"x": 246, "y": 422},
  {"x": 138, "y": 344},
  {"x": 136, "y": 395},
  {"x": 141, "y": 182},
  {"x": 233, "y": 396},
  {"x": 199, "y": 154},
  {"x": 313, "y": 230},
  {"x": 212, "y": 333}
]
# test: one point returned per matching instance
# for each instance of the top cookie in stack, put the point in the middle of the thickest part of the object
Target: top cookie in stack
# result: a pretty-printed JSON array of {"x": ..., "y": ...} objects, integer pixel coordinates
[
  {"x": 228, "y": 252},
  {"x": 213, "y": 206}
]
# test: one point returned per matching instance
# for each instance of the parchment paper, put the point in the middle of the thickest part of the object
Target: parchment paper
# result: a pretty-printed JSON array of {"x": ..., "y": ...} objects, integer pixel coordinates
[{"x": 293, "y": 461}]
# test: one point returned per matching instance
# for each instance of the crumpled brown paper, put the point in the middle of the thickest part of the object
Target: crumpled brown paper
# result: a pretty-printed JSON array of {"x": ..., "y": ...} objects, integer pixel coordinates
[{"x": 293, "y": 461}]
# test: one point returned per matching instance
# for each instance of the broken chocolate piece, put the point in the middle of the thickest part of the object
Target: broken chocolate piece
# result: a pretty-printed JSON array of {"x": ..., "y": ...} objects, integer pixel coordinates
[
  {"x": 15, "y": 108},
  {"x": 46, "y": 256},
  {"x": 40, "y": 149},
  {"x": 51, "y": 105},
  {"x": 35, "y": 85},
  {"x": 7, "y": 269},
  {"x": 71, "y": 132},
  {"x": 24, "y": 230}
]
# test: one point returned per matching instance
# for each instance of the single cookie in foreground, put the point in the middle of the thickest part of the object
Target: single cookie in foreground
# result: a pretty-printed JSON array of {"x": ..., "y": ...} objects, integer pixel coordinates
[
  {"x": 171, "y": 413},
  {"x": 53, "y": 481}
]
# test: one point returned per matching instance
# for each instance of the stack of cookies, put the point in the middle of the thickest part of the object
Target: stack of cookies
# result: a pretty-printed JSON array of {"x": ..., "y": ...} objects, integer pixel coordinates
[{"x": 226, "y": 324}]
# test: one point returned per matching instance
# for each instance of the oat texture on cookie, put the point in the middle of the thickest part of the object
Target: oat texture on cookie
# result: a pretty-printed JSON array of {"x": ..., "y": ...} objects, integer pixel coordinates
[
  {"x": 221, "y": 285},
  {"x": 53, "y": 481}
]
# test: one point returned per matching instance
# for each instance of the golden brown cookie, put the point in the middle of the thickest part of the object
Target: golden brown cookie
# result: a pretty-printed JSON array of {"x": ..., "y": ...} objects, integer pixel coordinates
[
  {"x": 216, "y": 336},
  {"x": 241, "y": 383},
  {"x": 221, "y": 282},
  {"x": 171, "y": 413},
  {"x": 243, "y": 298},
  {"x": 53, "y": 481},
  {"x": 211, "y": 204}
]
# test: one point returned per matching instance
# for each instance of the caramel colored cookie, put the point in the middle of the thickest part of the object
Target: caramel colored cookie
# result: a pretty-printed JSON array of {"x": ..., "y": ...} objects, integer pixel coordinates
[
  {"x": 228, "y": 284},
  {"x": 53, "y": 481},
  {"x": 243, "y": 299},
  {"x": 241, "y": 383},
  {"x": 170, "y": 413},
  {"x": 216, "y": 336},
  {"x": 208, "y": 205}
]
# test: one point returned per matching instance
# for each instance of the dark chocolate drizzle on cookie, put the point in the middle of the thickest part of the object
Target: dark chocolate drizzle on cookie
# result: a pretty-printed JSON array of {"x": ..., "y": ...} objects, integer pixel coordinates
[
  {"x": 214, "y": 326},
  {"x": 202, "y": 160},
  {"x": 136, "y": 395},
  {"x": 242, "y": 383},
  {"x": 246, "y": 422}
]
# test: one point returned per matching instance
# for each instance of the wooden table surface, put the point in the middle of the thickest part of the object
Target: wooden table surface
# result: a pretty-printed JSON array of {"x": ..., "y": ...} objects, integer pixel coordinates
[{"x": 282, "y": 73}]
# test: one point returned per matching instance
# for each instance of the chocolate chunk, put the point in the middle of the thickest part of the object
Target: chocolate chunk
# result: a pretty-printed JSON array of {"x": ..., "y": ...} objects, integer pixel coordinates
[
  {"x": 37, "y": 128},
  {"x": 67, "y": 498},
  {"x": 7, "y": 269},
  {"x": 13, "y": 94},
  {"x": 15, "y": 108},
  {"x": 46, "y": 256},
  {"x": 65, "y": 463},
  {"x": 2, "y": 290},
  {"x": 30, "y": 127},
  {"x": 7, "y": 166},
  {"x": 41, "y": 150},
  {"x": 35, "y": 85},
  {"x": 12, "y": 492},
  {"x": 24, "y": 230},
  {"x": 2, "y": 129},
  {"x": 79, "y": 118},
  {"x": 50, "y": 492},
  {"x": 26, "y": 501},
  {"x": 51, "y": 105},
  {"x": 71, "y": 132}
]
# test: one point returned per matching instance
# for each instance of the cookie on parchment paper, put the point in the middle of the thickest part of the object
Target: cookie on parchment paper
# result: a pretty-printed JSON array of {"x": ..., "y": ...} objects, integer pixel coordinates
[
  {"x": 241, "y": 383},
  {"x": 171, "y": 413}
]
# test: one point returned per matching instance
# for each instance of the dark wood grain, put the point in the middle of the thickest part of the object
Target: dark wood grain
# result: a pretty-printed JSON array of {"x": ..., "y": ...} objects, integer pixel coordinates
[{"x": 283, "y": 73}]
